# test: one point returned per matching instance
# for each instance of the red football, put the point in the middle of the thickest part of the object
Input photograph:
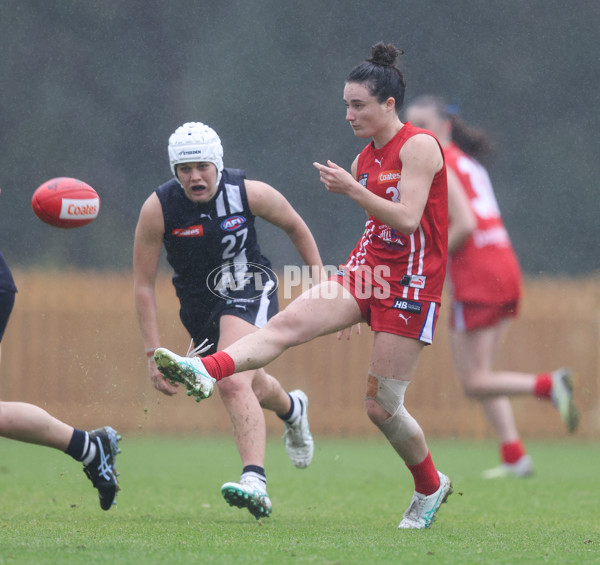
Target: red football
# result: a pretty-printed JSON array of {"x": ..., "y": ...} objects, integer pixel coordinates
[{"x": 66, "y": 203}]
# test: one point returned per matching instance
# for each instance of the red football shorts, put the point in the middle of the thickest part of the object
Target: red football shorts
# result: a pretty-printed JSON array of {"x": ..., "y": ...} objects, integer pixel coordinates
[
  {"x": 468, "y": 316},
  {"x": 385, "y": 310}
]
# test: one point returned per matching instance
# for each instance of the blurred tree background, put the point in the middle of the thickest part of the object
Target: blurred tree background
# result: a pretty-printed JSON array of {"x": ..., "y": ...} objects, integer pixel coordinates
[{"x": 93, "y": 88}]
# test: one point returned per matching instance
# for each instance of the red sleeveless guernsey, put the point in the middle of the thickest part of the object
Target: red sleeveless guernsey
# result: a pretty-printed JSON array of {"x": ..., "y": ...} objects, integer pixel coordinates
[
  {"x": 417, "y": 261},
  {"x": 485, "y": 269}
]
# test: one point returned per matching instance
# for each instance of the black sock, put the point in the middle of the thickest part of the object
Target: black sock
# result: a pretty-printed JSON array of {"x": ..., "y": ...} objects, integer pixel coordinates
[
  {"x": 255, "y": 471},
  {"x": 286, "y": 417},
  {"x": 79, "y": 446}
]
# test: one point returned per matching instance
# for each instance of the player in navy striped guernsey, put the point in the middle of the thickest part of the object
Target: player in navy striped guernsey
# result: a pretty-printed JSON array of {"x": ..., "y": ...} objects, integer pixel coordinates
[{"x": 204, "y": 217}]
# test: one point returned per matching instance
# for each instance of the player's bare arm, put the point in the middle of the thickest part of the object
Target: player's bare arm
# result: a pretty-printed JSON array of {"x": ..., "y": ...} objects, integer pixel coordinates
[
  {"x": 269, "y": 204},
  {"x": 421, "y": 159},
  {"x": 146, "y": 254},
  {"x": 461, "y": 220}
]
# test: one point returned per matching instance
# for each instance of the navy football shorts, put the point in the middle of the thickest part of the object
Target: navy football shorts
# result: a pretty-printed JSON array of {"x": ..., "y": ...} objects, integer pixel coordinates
[{"x": 200, "y": 315}]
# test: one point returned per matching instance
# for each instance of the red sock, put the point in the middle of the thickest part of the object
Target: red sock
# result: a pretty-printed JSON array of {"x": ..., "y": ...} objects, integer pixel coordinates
[
  {"x": 543, "y": 386},
  {"x": 426, "y": 477},
  {"x": 219, "y": 365},
  {"x": 512, "y": 451}
]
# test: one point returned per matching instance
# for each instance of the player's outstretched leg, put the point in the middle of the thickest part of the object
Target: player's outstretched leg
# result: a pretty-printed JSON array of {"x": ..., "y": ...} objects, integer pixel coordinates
[
  {"x": 102, "y": 469},
  {"x": 298, "y": 440},
  {"x": 562, "y": 397},
  {"x": 422, "y": 510},
  {"x": 188, "y": 371},
  {"x": 250, "y": 493}
]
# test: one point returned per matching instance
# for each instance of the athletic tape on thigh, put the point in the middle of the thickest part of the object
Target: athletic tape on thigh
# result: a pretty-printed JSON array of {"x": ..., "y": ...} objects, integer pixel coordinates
[{"x": 389, "y": 394}]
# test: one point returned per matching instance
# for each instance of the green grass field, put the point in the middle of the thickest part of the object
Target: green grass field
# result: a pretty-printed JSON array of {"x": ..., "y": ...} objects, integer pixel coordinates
[{"x": 343, "y": 509}]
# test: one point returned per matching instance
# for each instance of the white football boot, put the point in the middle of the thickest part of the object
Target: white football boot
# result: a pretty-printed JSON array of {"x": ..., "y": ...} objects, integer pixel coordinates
[
  {"x": 523, "y": 467},
  {"x": 422, "y": 510},
  {"x": 562, "y": 398},
  {"x": 249, "y": 493},
  {"x": 188, "y": 371},
  {"x": 298, "y": 440}
]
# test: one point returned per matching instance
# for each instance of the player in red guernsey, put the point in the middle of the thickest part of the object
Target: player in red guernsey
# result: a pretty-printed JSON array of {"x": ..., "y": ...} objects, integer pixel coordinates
[
  {"x": 392, "y": 280},
  {"x": 415, "y": 262},
  {"x": 485, "y": 282}
]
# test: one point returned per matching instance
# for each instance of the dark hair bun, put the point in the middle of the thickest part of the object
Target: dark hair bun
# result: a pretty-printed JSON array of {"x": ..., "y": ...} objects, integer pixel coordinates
[{"x": 385, "y": 55}]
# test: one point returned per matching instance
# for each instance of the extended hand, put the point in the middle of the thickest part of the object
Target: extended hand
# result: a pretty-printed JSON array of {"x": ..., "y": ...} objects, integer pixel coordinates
[
  {"x": 348, "y": 331},
  {"x": 159, "y": 382},
  {"x": 335, "y": 178}
]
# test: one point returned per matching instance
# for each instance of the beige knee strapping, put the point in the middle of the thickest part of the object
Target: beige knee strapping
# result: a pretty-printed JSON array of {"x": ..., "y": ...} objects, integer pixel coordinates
[{"x": 389, "y": 394}]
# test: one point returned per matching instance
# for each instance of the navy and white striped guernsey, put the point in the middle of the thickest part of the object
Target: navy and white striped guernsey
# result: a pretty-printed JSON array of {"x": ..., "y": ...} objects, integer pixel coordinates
[{"x": 201, "y": 237}]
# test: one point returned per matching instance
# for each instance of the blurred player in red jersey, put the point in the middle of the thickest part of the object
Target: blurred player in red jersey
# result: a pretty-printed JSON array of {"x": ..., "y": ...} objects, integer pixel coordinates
[
  {"x": 485, "y": 280},
  {"x": 393, "y": 279},
  {"x": 97, "y": 450}
]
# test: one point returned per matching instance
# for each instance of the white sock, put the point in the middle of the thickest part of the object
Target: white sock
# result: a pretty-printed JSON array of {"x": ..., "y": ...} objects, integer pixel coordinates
[
  {"x": 296, "y": 410},
  {"x": 90, "y": 454}
]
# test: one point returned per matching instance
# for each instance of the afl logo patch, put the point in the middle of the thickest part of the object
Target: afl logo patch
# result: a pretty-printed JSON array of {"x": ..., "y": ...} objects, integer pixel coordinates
[{"x": 233, "y": 223}]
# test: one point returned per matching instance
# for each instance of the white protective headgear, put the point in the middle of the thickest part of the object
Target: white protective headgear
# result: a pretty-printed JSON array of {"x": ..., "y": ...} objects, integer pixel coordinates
[{"x": 195, "y": 142}]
